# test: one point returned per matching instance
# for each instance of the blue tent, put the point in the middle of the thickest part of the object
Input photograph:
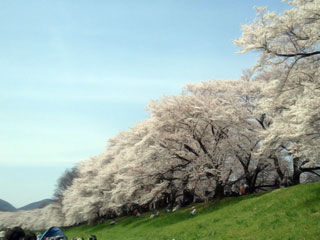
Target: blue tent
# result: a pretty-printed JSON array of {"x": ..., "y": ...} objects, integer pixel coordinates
[{"x": 53, "y": 232}]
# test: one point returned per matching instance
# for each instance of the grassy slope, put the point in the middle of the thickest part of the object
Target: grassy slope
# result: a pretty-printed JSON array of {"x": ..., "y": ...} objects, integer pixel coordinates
[{"x": 291, "y": 213}]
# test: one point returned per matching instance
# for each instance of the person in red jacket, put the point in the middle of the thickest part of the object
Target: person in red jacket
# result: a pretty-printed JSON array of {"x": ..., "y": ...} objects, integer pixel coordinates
[
  {"x": 242, "y": 190},
  {"x": 136, "y": 213}
]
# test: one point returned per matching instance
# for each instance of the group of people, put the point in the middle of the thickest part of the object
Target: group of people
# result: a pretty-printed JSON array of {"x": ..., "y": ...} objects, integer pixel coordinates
[
  {"x": 17, "y": 233},
  {"x": 155, "y": 213},
  {"x": 54, "y": 238},
  {"x": 92, "y": 237}
]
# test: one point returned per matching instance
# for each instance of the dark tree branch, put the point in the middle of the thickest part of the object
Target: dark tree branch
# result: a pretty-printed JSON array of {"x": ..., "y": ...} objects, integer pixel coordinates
[
  {"x": 301, "y": 55},
  {"x": 190, "y": 149}
]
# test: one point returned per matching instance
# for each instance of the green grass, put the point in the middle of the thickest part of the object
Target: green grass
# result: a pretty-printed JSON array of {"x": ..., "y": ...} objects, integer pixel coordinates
[{"x": 290, "y": 213}]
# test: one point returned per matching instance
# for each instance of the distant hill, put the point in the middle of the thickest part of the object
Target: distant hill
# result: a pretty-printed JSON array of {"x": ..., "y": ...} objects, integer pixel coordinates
[
  {"x": 6, "y": 207},
  {"x": 35, "y": 205}
]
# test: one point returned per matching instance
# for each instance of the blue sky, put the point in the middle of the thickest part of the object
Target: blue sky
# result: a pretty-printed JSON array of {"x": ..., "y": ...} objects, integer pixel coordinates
[{"x": 75, "y": 73}]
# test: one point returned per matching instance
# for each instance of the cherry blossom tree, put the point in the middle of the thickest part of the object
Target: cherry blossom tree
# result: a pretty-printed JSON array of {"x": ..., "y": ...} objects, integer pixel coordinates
[
  {"x": 288, "y": 44},
  {"x": 262, "y": 130},
  {"x": 207, "y": 128},
  {"x": 64, "y": 182},
  {"x": 37, "y": 219},
  {"x": 243, "y": 140}
]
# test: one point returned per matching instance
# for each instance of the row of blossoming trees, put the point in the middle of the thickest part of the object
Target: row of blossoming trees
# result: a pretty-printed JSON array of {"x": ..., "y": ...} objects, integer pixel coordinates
[{"x": 262, "y": 130}]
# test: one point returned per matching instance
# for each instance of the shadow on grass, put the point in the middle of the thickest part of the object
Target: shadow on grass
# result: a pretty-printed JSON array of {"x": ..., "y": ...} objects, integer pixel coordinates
[
  {"x": 161, "y": 221},
  {"x": 312, "y": 199},
  {"x": 99, "y": 227},
  {"x": 183, "y": 214},
  {"x": 229, "y": 202}
]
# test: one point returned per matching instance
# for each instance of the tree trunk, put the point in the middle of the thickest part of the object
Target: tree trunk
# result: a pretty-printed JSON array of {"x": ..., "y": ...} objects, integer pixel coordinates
[
  {"x": 296, "y": 172},
  {"x": 219, "y": 191},
  {"x": 296, "y": 177}
]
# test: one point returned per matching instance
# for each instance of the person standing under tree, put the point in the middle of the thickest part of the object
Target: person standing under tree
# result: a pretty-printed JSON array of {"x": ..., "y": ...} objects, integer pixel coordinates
[{"x": 242, "y": 189}]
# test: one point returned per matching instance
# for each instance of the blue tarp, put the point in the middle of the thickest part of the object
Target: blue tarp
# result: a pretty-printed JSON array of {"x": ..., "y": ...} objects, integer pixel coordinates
[{"x": 53, "y": 232}]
